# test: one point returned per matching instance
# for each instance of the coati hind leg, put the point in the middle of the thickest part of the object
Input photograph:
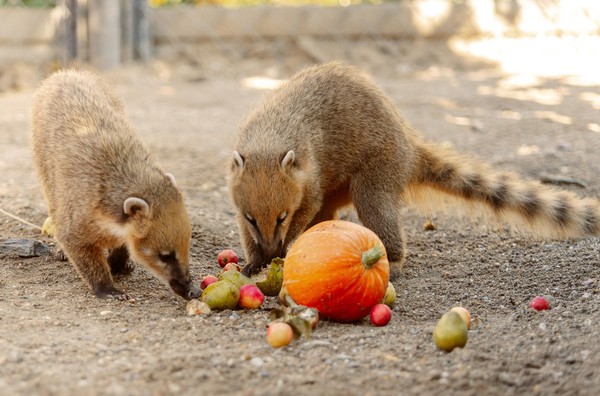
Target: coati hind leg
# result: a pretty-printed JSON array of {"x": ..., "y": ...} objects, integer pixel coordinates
[
  {"x": 118, "y": 260},
  {"x": 379, "y": 211},
  {"x": 90, "y": 262}
]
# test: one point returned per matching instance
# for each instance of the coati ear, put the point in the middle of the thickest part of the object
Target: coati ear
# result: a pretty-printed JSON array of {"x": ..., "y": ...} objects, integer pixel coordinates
[
  {"x": 171, "y": 178},
  {"x": 133, "y": 205},
  {"x": 238, "y": 162},
  {"x": 288, "y": 161}
]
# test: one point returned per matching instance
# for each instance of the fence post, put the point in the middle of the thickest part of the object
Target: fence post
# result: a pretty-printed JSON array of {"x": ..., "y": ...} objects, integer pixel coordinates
[
  {"x": 104, "y": 18},
  {"x": 68, "y": 30},
  {"x": 127, "y": 25},
  {"x": 142, "y": 41}
]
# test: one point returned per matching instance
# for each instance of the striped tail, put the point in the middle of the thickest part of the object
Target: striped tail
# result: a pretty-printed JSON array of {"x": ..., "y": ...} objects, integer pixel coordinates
[{"x": 525, "y": 205}]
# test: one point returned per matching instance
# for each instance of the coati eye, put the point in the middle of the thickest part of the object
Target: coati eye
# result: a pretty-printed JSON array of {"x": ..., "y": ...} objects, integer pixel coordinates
[
  {"x": 281, "y": 217},
  {"x": 251, "y": 219},
  {"x": 166, "y": 257}
]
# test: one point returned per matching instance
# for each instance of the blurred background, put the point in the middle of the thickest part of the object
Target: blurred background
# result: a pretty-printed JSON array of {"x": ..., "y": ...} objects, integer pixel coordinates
[{"x": 196, "y": 39}]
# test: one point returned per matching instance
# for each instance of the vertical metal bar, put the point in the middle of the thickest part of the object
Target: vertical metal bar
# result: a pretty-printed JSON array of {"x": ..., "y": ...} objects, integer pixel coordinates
[
  {"x": 68, "y": 30},
  {"x": 142, "y": 38},
  {"x": 126, "y": 31}
]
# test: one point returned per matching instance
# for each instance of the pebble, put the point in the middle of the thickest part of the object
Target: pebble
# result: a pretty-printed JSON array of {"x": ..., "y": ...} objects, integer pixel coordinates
[
  {"x": 567, "y": 314},
  {"x": 507, "y": 379},
  {"x": 257, "y": 362},
  {"x": 588, "y": 282},
  {"x": 586, "y": 296},
  {"x": 316, "y": 343},
  {"x": 104, "y": 313}
]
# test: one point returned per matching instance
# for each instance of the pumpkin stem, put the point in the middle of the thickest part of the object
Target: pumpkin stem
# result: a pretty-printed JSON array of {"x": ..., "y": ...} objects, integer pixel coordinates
[{"x": 371, "y": 256}]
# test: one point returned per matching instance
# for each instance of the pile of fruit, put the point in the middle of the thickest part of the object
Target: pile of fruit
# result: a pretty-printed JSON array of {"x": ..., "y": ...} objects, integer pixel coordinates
[
  {"x": 344, "y": 278},
  {"x": 336, "y": 270}
]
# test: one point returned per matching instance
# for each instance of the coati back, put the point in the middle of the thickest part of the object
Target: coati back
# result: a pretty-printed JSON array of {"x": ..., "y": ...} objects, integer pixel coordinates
[
  {"x": 104, "y": 191},
  {"x": 330, "y": 137}
]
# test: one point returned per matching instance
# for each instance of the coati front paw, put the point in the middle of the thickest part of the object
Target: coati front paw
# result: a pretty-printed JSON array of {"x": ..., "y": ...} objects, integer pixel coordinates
[
  {"x": 112, "y": 293},
  {"x": 251, "y": 269},
  {"x": 121, "y": 268}
]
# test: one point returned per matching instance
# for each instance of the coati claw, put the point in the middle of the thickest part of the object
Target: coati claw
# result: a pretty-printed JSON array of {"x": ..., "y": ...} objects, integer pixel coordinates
[{"x": 114, "y": 294}]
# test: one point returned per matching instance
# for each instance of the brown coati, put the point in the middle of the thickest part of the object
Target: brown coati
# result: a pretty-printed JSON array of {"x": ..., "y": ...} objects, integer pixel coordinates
[
  {"x": 104, "y": 191},
  {"x": 329, "y": 137}
]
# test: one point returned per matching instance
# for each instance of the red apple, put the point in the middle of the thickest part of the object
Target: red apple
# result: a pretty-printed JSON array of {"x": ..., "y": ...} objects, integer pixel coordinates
[
  {"x": 380, "y": 315},
  {"x": 539, "y": 303},
  {"x": 227, "y": 256},
  {"x": 279, "y": 334},
  {"x": 250, "y": 297},
  {"x": 231, "y": 267},
  {"x": 207, "y": 280}
]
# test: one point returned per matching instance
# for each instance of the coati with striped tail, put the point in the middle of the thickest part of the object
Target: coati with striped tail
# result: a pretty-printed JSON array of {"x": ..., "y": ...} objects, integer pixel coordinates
[
  {"x": 103, "y": 189},
  {"x": 330, "y": 137}
]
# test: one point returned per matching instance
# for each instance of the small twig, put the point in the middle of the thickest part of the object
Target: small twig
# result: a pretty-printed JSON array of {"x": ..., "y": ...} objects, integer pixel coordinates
[
  {"x": 555, "y": 179},
  {"x": 20, "y": 219}
]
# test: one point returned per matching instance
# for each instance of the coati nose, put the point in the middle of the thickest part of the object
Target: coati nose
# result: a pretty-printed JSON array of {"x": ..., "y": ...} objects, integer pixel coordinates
[{"x": 194, "y": 292}]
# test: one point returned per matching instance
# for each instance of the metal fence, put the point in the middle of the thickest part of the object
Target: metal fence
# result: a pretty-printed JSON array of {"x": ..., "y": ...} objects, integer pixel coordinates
[{"x": 109, "y": 33}]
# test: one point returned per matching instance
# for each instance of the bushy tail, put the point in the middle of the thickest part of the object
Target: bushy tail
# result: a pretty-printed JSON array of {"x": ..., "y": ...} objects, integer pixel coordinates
[{"x": 529, "y": 205}]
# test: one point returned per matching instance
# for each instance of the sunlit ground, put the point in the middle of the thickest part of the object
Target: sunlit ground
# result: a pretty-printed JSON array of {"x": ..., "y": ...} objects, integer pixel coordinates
[{"x": 576, "y": 59}]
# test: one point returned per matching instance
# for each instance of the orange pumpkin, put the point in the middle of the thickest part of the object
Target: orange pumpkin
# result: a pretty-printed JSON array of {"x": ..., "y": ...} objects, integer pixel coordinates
[{"x": 338, "y": 267}]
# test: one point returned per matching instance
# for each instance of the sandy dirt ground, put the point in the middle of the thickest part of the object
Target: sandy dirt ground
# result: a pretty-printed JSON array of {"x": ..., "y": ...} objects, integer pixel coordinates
[{"x": 537, "y": 117}]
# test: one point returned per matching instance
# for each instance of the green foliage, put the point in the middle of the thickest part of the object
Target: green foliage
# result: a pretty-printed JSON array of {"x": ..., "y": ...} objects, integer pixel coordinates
[{"x": 28, "y": 3}]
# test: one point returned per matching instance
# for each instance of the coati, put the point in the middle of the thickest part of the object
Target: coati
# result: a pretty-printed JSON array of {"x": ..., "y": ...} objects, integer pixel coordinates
[
  {"x": 330, "y": 137},
  {"x": 105, "y": 193}
]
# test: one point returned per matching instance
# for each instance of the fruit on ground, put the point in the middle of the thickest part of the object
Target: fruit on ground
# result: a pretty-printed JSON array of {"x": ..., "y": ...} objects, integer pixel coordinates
[
  {"x": 450, "y": 332},
  {"x": 310, "y": 315},
  {"x": 380, "y": 315},
  {"x": 279, "y": 334},
  {"x": 231, "y": 267},
  {"x": 270, "y": 279},
  {"x": 338, "y": 267},
  {"x": 48, "y": 227},
  {"x": 235, "y": 277},
  {"x": 464, "y": 314},
  {"x": 221, "y": 295},
  {"x": 539, "y": 303},
  {"x": 197, "y": 307},
  {"x": 227, "y": 256},
  {"x": 390, "y": 296},
  {"x": 207, "y": 280},
  {"x": 250, "y": 297}
]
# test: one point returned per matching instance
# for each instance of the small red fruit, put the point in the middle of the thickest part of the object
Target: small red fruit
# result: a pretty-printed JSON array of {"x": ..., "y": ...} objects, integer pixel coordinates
[
  {"x": 380, "y": 315},
  {"x": 250, "y": 297},
  {"x": 227, "y": 256},
  {"x": 231, "y": 266},
  {"x": 279, "y": 334},
  {"x": 539, "y": 303},
  {"x": 207, "y": 280}
]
